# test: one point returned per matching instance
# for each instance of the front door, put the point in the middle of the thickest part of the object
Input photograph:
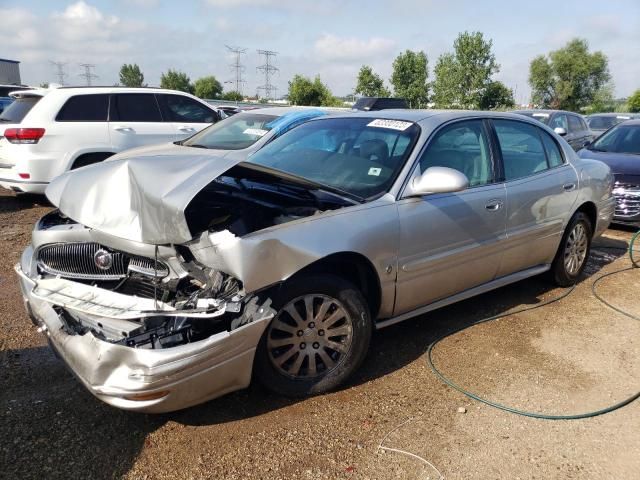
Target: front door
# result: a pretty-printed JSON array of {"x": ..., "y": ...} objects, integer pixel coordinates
[{"x": 452, "y": 242}]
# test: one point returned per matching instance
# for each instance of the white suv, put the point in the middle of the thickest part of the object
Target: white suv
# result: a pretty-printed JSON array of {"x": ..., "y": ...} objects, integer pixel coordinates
[{"x": 46, "y": 132}]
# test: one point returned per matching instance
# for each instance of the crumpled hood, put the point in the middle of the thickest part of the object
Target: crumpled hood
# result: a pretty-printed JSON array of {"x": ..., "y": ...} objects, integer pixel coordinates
[{"x": 138, "y": 198}]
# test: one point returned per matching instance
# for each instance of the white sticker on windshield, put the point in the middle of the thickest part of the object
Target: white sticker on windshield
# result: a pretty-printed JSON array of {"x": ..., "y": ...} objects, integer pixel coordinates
[
  {"x": 375, "y": 171},
  {"x": 255, "y": 131},
  {"x": 392, "y": 124}
]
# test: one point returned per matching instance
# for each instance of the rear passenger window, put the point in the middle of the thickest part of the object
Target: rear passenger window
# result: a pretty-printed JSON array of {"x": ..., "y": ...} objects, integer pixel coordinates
[
  {"x": 135, "y": 107},
  {"x": 84, "y": 108},
  {"x": 554, "y": 156},
  {"x": 462, "y": 146},
  {"x": 187, "y": 110},
  {"x": 521, "y": 147}
]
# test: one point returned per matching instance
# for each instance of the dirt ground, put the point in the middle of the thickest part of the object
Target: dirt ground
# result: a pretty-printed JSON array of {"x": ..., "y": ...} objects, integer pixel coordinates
[{"x": 572, "y": 356}]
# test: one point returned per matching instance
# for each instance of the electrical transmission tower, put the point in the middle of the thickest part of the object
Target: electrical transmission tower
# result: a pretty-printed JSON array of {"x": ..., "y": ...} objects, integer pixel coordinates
[
  {"x": 268, "y": 69},
  {"x": 88, "y": 75},
  {"x": 237, "y": 66},
  {"x": 60, "y": 73}
]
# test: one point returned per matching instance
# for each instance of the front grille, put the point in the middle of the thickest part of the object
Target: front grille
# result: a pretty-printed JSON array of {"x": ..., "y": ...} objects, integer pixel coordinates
[
  {"x": 627, "y": 200},
  {"x": 77, "y": 260}
]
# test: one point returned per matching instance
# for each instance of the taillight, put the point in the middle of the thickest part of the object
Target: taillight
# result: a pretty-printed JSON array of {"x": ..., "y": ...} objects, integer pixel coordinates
[{"x": 23, "y": 135}]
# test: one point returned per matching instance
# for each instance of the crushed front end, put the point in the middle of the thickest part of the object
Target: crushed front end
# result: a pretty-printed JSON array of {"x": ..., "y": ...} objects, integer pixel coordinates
[{"x": 143, "y": 327}]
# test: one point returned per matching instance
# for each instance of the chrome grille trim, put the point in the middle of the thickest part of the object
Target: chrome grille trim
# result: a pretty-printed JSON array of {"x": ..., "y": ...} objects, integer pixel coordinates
[
  {"x": 76, "y": 260},
  {"x": 627, "y": 200}
]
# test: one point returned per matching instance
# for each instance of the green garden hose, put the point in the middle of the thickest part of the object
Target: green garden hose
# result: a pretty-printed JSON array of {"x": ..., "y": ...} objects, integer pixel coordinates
[{"x": 635, "y": 262}]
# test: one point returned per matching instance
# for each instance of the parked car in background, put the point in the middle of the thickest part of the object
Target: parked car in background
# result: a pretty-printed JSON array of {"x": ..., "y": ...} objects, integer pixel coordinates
[
  {"x": 46, "y": 132},
  {"x": 238, "y": 136},
  {"x": 5, "y": 102},
  {"x": 229, "y": 110},
  {"x": 569, "y": 125},
  {"x": 619, "y": 148},
  {"x": 370, "y": 104},
  {"x": 209, "y": 269},
  {"x": 601, "y": 122}
]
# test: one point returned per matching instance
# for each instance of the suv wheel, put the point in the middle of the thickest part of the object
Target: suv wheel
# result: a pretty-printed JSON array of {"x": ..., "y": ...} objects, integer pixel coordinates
[{"x": 318, "y": 338}]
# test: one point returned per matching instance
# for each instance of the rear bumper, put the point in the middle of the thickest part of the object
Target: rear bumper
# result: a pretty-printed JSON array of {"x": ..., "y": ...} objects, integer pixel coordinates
[
  {"x": 146, "y": 380},
  {"x": 10, "y": 180}
]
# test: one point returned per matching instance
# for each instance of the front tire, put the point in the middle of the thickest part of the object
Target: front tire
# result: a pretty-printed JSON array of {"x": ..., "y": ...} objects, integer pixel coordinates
[
  {"x": 573, "y": 252},
  {"x": 318, "y": 338}
]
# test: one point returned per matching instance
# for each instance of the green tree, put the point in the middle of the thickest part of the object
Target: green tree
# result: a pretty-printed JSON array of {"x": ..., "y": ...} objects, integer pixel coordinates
[
  {"x": 496, "y": 95},
  {"x": 176, "y": 80},
  {"x": 131, "y": 76},
  {"x": 232, "y": 96},
  {"x": 304, "y": 91},
  {"x": 207, "y": 87},
  {"x": 634, "y": 102},
  {"x": 603, "y": 100},
  {"x": 370, "y": 84},
  {"x": 568, "y": 78},
  {"x": 44, "y": 85},
  {"x": 463, "y": 76},
  {"x": 409, "y": 78}
]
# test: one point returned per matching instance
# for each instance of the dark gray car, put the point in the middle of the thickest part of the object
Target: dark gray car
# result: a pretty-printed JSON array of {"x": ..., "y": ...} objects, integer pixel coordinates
[
  {"x": 601, "y": 122},
  {"x": 569, "y": 125}
]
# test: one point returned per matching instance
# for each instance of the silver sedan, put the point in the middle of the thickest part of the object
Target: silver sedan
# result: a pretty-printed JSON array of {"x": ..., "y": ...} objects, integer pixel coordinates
[{"x": 166, "y": 280}]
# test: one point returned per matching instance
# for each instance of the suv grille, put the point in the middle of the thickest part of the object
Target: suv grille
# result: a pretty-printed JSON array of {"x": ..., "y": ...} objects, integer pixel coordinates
[
  {"x": 627, "y": 200},
  {"x": 92, "y": 261}
]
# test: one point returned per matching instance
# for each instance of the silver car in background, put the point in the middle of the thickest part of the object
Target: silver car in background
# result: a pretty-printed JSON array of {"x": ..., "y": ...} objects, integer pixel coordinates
[{"x": 164, "y": 281}]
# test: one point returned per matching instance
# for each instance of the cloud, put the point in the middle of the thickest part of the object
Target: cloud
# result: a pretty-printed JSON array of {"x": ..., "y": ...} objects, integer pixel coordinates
[{"x": 332, "y": 47}]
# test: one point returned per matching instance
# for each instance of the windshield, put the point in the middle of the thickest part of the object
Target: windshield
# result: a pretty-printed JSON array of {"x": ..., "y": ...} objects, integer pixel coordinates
[
  {"x": 621, "y": 139},
  {"x": 541, "y": 117},
  {"x": 605, "y": 123},
  {"x": 15, "y": 112},
  {"x": 360, "y": 156},
  {"x": 233, "y": 133}
]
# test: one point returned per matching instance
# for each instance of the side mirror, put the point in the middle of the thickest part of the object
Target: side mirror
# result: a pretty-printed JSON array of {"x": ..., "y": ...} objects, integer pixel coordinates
[
  {"x": 438, "y": 180},
  {"x": 560, "y": 131}
]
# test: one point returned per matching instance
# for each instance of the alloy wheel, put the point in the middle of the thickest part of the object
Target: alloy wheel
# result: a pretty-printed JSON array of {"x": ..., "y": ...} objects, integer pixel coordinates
[
  {"x": 309, "y": 336},
  {"x": 575, "y": 250}
]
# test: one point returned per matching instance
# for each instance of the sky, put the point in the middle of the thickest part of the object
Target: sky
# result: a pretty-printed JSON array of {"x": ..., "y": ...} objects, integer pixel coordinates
[{"x": 332, "y": 38}]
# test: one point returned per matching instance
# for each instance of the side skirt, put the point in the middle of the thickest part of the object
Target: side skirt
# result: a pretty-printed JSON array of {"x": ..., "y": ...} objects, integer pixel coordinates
[{"x": 472, "y": 292}]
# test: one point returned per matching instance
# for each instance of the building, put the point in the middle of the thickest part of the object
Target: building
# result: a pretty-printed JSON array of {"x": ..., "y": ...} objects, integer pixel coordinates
[{"x": 9, "y": 72}]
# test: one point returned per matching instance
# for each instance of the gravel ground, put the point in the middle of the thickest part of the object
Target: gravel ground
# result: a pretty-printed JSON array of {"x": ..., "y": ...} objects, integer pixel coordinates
[{"x": 568, "y": 357}]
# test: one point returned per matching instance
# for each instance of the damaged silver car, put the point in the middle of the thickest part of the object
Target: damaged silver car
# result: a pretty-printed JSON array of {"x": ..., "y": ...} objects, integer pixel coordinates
[{"x": 166, "y": 280}]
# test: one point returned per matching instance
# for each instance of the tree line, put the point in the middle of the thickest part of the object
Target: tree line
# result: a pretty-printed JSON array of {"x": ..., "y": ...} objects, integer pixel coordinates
[{"x": 570, "y": 78}]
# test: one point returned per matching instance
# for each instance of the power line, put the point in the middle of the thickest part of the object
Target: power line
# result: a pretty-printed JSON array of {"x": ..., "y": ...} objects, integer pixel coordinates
[
  {"x": 88, "y": 75},
  {"x": 60, "y": 73},
  {"x": 237, "y": 66},
  {"x": 268, "y": 69}
]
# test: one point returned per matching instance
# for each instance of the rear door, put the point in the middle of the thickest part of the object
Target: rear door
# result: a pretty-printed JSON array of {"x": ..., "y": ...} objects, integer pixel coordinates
[
  {"x": 579, "y": 134},
  {"x": 186, "y": 115},
  {"x": 135, "y": 120},
  {"x": 541, "y": 191},
  {"x": 452, "y": 242}
]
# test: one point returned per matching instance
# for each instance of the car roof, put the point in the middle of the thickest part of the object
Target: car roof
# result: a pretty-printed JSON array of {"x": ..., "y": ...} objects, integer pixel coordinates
[
  {"x": 416, "y": 116},
  {"x": 544, "y": 110},
  {"x": 613, "y": 114}
]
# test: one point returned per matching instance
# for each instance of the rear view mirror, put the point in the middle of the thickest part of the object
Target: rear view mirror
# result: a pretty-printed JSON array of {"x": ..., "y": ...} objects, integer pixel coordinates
[
  {"x": 438, "y": 180},
  {"x": 560, "y": 131}
]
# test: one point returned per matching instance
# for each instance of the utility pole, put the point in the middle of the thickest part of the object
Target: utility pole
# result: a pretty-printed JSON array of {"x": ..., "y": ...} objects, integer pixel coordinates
[
  {"x": 60, "y": 73},
  {"x": 237, "y": 66},
  {"x": 88, "y": 75},
  {"x": 268, "y": 69}
]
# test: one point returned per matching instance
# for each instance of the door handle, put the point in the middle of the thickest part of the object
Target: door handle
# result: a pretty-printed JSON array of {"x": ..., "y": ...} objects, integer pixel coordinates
[
  {"x": 494, "y": 205},
  {"x": 568, "y": 187},
  {"x": 123, "y": 129},
  {"x": 184, "y": 128}
]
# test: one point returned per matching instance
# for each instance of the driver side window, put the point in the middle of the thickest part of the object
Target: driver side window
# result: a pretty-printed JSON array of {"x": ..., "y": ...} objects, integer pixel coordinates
[{"x": 462, "y": 146}]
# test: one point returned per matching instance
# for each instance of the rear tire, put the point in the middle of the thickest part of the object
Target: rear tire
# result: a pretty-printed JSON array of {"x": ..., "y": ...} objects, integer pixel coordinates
[
  {"x": 573, "y": 252},
  {"x": 318, "y": 338}
]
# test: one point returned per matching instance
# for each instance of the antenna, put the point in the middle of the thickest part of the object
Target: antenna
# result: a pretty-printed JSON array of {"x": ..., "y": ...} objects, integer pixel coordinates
[
  {"x": 88, "y": 75},
  {"x": 268, "y": 69},
  {"x": 60, "y": 73},
  {"x": 237, "y": 66}
]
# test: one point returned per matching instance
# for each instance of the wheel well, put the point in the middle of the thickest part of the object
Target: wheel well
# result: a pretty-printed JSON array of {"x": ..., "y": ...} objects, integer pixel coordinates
[
  {"x": 90, "y": 158},
  {"x": 355, "y": 268},
  {"x": 590, "y": 210}
]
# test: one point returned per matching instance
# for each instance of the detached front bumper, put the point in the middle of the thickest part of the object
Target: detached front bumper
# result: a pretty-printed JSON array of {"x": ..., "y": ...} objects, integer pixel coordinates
[{"x": 148, "y": 380}]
